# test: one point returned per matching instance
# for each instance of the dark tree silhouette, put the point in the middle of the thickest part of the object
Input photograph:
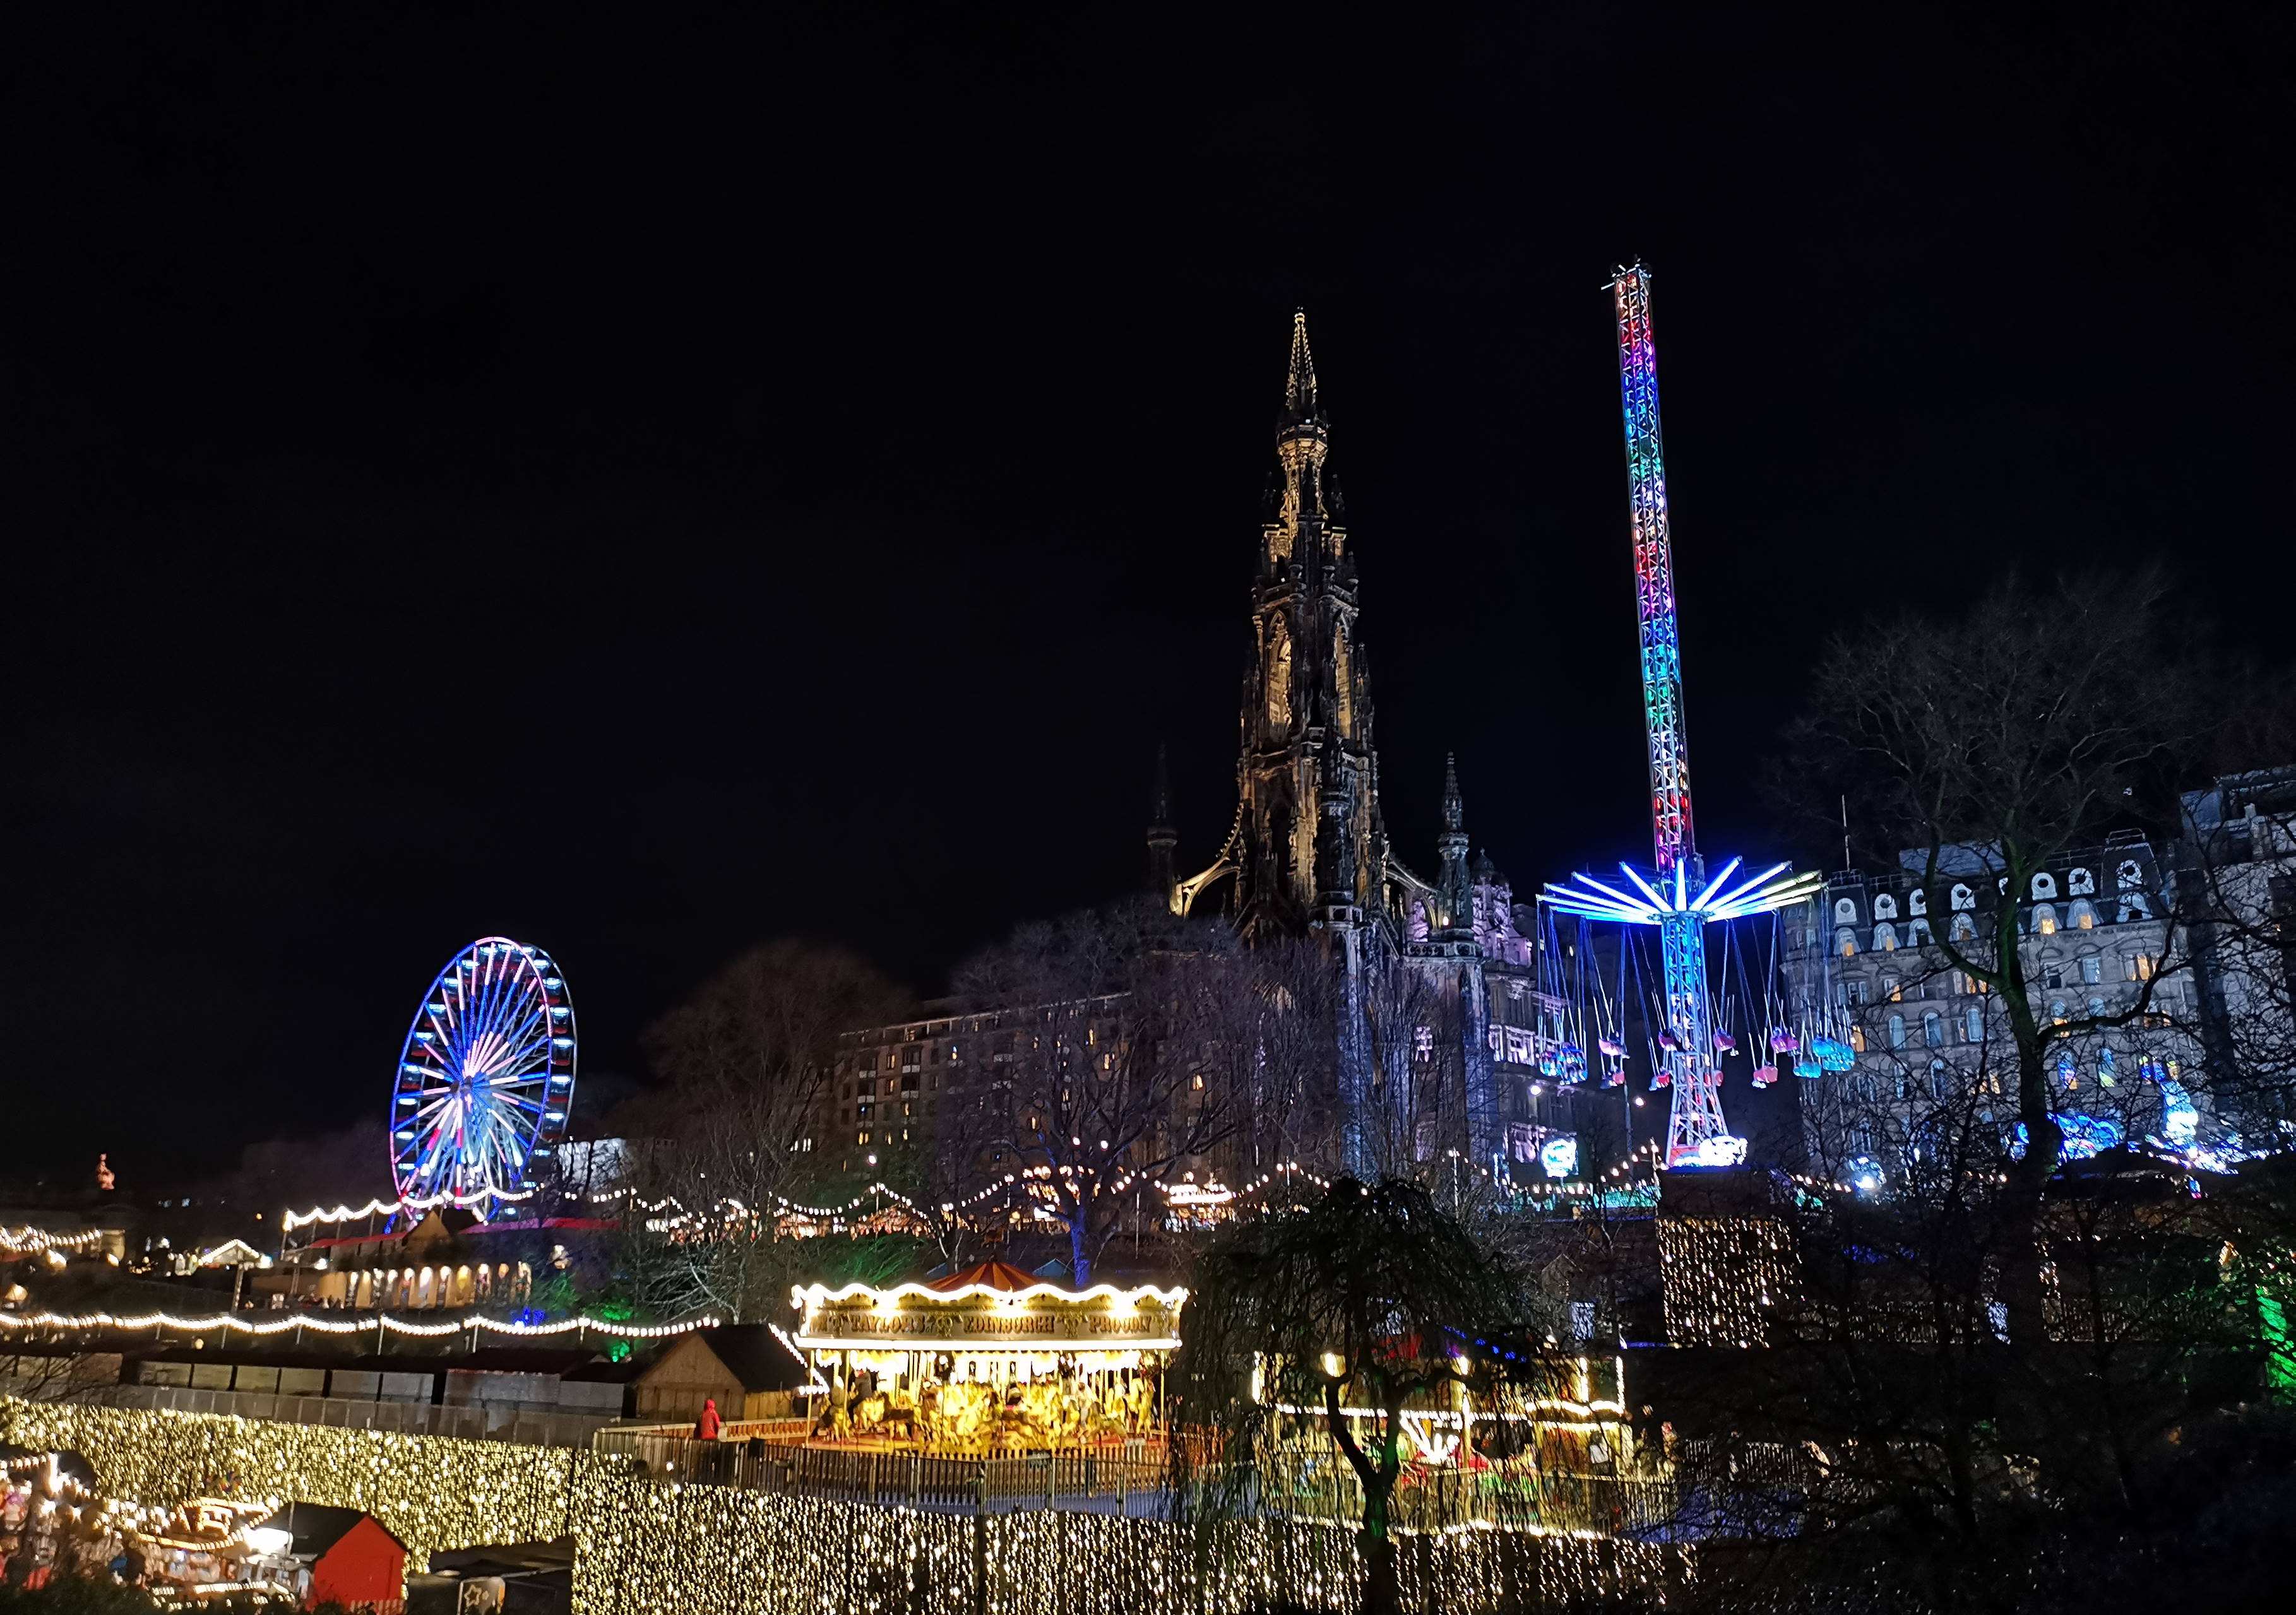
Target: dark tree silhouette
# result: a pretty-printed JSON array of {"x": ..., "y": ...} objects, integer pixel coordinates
[{"x": 1369, "y": 1298}]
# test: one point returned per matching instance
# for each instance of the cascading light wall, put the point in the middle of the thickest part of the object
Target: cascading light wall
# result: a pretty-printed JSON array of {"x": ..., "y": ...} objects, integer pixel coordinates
[{"x": 701, "y": 1550}]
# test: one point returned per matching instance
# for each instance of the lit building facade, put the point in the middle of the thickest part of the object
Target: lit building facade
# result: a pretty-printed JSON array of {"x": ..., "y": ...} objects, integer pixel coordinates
[
  {"x": 2238, "y": 859},
  {"x": 2102, "y": 960}
]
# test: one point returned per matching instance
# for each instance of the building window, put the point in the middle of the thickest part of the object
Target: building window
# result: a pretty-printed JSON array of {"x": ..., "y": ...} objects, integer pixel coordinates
[
  {"x": 2045, "y": 885},
  {"x": 2092, "y": 969},
  {"x": 1885, "y": 938},
  {"x": 1917, "y": 933},
  {"x": 2080, "y": 881},
  {"x": 1857, "y": 990},
  {"x": 2140, "y": 967},
  {"x": 1973, "y": 1024},
  {"x": 1845, "y": 943},
  {"x": 1858, "y": 1039},
  {"x": 1963, "y": 898},
  {"x": 1845, "y": 912},
  {"x": 2057, "y": 1011},
  {"x": 1885, "y": 907},
  {"x": 2044, "y": 919},
  {"x": 1897, "y": 1031},
  {"x": 1965, "y": 928},
  {"x": 2084, "y": 914},
  {"x": 2096, "y": 1006},
  {"x": 1940, "y": 1085},
  {"x": 1891, "y": 991},
  {"x": 1932, "y": 1030}
]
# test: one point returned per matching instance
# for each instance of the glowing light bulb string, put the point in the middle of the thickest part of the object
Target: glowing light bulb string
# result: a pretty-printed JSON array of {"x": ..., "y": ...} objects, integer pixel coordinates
[{"x": 228, "y": 1323}]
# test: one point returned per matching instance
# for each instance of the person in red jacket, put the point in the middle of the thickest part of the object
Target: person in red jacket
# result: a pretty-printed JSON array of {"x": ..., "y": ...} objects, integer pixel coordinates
[{"x": 705, "y": 1429}]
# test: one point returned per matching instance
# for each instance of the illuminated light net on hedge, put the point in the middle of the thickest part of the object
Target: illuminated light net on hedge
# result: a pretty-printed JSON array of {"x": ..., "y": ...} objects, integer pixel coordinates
[
  {"x": 1696, "y": 1131},
  {"x": 486, "y": 1077}
]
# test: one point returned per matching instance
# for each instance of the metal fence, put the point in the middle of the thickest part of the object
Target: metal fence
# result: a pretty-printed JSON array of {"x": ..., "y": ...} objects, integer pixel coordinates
[
  {"x": 1129, "y": 1477},
  {"x": 532, "y": 1427}
]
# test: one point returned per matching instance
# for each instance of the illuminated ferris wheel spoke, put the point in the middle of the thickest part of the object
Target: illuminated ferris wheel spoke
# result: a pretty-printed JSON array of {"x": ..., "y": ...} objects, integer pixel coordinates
[
  {"x": 512, "y": 1039},
  {"x": 483, "y": 1082}
]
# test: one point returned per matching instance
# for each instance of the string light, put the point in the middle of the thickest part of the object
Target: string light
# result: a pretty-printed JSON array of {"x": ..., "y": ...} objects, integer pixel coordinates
[
  {"x": 28, "y": 1240},
  {"x": 671, "y": 1214},
  {"x": 289, "y": 1221},
  {"x": 1722, "y": 1278}
]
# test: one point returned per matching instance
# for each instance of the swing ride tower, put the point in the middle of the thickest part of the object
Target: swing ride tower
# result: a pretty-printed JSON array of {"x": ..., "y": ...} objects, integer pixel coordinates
[{"x": 1677, "y": 898}]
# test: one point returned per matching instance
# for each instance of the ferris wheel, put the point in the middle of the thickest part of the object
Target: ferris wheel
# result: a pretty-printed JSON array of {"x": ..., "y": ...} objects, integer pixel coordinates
[{"x": 487, "y": 1077}]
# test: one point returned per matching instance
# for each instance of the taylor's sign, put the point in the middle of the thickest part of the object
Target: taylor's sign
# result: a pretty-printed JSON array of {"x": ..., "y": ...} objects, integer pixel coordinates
[{"x": 866, "y": 1323}]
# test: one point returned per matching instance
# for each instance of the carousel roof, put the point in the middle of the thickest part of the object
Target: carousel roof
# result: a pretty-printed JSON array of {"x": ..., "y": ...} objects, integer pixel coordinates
[{"x": 989, "y": 1275}]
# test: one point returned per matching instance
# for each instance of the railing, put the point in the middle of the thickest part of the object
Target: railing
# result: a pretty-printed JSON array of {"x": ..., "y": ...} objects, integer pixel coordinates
[
  {"x": 1128, "y": 1477},
  {"x": 532, "y": 1427},
  {"x": 1525, "y": 1498}
]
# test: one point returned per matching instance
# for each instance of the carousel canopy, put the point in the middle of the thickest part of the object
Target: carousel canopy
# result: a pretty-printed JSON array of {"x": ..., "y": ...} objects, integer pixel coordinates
[
  {"x": 990, "y": 1306},
  {"x": 989, "y": 1275}
]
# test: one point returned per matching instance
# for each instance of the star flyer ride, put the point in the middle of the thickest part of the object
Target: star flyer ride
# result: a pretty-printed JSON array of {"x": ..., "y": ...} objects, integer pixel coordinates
[{"x": 1676, "y": 898}]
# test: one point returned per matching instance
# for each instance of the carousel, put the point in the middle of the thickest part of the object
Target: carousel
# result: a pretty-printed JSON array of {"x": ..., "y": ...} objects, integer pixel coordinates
[{"x": 987, "y": 1360}]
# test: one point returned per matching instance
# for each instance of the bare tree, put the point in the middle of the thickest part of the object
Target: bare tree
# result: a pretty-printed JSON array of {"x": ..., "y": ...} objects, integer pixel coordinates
[
  {"x": 1416, "y": 1106},
  {"x": 2237, "y": 886},
  {"x": 1887, "y": 1448},
  {"x": 1138, "y": 1047},
  {"x": 59, "y": 1375},
  {"x": 1996, "y": 744},
  {"x": 951, "y": 1194},
  {"x": 745, "y": 1063}
]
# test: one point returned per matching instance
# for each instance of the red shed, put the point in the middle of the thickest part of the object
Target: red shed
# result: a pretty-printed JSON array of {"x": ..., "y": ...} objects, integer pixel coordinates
[{"x": 353, "y": 1559}]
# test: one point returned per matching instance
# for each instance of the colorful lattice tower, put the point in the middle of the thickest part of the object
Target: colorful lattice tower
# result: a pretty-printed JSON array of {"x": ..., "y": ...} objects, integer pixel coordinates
[{"x": 1676, "y": 898}]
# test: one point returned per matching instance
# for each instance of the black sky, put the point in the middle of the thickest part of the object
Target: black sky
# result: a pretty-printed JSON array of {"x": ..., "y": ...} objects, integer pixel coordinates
[{"x": 649, "y": 480}]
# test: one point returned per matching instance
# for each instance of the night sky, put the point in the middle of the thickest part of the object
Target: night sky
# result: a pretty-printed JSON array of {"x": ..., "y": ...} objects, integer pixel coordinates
[{"x": 651, "y": 484}]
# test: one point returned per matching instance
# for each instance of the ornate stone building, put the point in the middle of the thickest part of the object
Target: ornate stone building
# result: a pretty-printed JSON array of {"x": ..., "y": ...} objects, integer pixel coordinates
[
  {"x": 1306, "y": 855},
  {"x": 2098, "y": 945},
  {"x": 1308, "y": 852}
]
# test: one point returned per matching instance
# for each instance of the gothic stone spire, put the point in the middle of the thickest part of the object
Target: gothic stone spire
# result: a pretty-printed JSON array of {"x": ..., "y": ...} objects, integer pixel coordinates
[
  {"x": 1300, "y": 387},
  {"x": 1162, "y": 839},
  {"x": 1455, "y": 884},
  {"x": 1310, "y": 823}
]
